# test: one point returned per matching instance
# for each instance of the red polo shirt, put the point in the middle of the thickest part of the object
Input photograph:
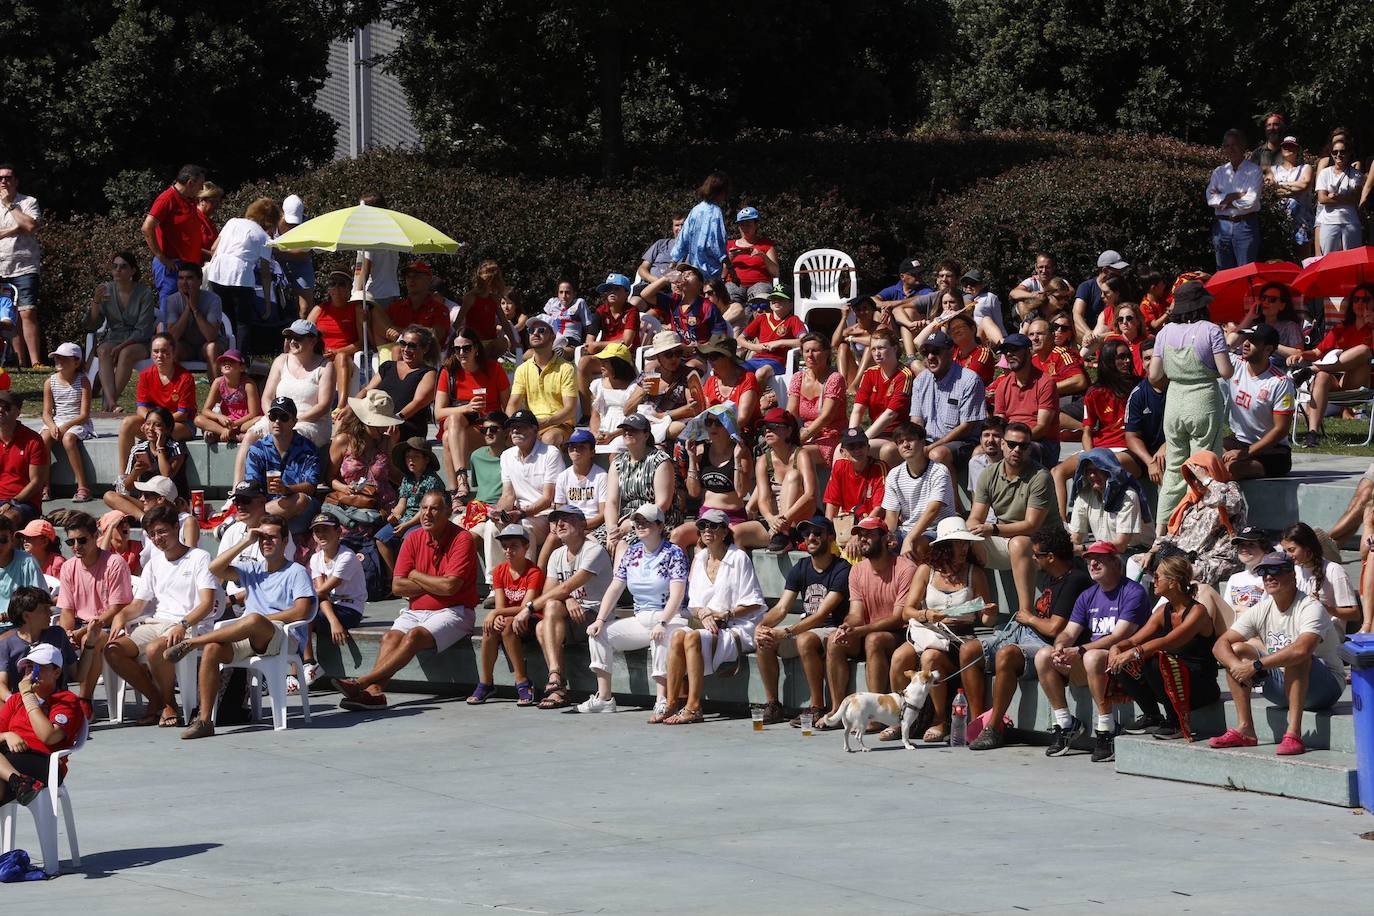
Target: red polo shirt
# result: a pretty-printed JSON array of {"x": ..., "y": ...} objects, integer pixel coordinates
[
  {"x": 613, "y": 328},
  {"x": 981, "y": 361},
  {"x": 180, "y": 228},
  {"x": 16, "y": 458},
  {"x": 179, "y": 394},
  {"x": 454, "y": 555},
  {"x": 1022, "y": 404}
]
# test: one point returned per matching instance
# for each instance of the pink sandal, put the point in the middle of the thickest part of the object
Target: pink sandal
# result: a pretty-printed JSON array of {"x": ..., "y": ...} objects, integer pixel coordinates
[
  {"x": 82, "y": 495},
  {"x": 1290, "y": 746},
  {"x": 1233, "y": 738}
]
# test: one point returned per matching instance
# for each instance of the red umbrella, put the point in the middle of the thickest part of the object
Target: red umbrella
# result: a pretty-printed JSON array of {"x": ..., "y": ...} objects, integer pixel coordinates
[
  {"x": 1335, "y": 274},
  {"x": 1230, "y": 287}
]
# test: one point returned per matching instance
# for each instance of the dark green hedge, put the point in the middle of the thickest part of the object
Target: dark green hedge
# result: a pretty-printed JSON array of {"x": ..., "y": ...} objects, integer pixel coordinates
[{"x": 988, "y": 199}]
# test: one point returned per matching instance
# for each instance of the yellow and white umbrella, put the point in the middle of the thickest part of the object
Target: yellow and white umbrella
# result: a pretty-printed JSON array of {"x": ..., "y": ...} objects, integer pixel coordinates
[{"x": 364, "y": 227}]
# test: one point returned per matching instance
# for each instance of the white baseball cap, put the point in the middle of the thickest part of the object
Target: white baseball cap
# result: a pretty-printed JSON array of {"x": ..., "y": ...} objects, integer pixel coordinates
[
  {"x": 293, "y": 210},
  {"x": 67, "y": 349},
  {"x": 162, "y": 486}
]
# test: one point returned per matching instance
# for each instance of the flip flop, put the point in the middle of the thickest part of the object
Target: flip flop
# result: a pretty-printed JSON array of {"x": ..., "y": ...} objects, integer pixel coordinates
[
  {"x": 149, "y": 718},
  {"x": 169, "y": 721}
]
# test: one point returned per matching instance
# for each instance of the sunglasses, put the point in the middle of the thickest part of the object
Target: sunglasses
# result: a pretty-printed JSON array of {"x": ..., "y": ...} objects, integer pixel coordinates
[
  {"x": 75, "y": 542},
  {"x": 540, "y": 329},
  {"x": 711, "y": 526},
  {"x": 1271, "y": 298},
  {"x": 408, "y": 345},
  {"x": 490, "y": 430},
  {"x": 465, "y": 348},
  {"x": 1063, "y": 328},
  {"x": 1124, "y": 354},
  {"x": 1363, "y": 297},
  {"x": 1041, "y": 554},
  {"x": 1338, "y": 152},
  {"x": 1264, "y": 571},
  {"x": 1016, "y": 444},
  {"x": 1124, "y": 318},
  {"x": 813, "y": 534}
]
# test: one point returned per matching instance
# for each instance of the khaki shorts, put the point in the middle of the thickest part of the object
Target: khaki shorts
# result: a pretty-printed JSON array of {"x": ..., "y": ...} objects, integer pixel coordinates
[
  {"x": 787, "y": 648},
  {"x": 149, "y": 632},
  {"x": 243, "y": 648},
  {"x": 448, "y": 625},
  {"x": 998, "y": 552}
]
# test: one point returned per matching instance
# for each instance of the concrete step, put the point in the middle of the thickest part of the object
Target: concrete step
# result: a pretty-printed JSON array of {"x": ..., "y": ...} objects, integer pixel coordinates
[
  {"x": 1322, "y": 776},
  {"x": 1334, "y": 730}
]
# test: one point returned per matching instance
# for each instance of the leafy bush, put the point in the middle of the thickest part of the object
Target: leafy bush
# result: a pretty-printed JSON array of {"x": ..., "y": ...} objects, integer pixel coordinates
[{"x": 1075, "y": 209}]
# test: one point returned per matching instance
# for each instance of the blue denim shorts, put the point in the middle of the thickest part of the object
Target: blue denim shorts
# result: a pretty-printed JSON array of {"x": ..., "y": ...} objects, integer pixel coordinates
[
  {"x": 26, "y": 290},
  {"x": 1324, "y": 687},
  {"x": 1014, "y": 634},
  {"x": 759, "y": 362}
]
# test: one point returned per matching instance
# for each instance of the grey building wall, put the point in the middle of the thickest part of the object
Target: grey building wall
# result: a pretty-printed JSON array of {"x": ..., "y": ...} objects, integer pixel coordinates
[{"x": 368, "y": 105}]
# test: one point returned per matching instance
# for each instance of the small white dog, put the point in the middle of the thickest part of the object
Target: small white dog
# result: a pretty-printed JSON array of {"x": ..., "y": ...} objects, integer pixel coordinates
[{"x": 859, "y": 709}]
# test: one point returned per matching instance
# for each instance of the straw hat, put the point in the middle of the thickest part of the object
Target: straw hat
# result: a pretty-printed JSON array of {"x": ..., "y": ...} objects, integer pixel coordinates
[{"x": 663, "y": 342}]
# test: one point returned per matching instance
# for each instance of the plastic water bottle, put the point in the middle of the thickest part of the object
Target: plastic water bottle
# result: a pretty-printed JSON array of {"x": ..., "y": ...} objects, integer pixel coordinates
[{"x": 958, "y": 720}]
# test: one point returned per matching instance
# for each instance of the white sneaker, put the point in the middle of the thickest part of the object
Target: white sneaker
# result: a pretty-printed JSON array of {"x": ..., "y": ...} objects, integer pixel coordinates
[
  {"x": 312, "y": 673},
  {"x": 594, "y": 703}
]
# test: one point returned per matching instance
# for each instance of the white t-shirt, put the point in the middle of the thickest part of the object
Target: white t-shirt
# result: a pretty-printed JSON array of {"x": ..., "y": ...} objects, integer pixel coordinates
[
  {"x": 1336, "y": 182},
  {"x": 594, "y": 559},
  {"x": 241, "y": 245},
  {"x": 147, "y": 551},
  {"x": 910, "y": 496},
  {"x": 382, "y": 282},
  {"x": 528, "y": 476},
  {"x": 1088, "y": 517},
  {"x": 586, "y": 493},
  {"x": 1257, "y": 399},
  {"x": 1243, "y": 590},
  {"x": 173, "y": 589},
  {"x": 351, "y": 592},
  {"x": 1335, "y": 591},
  {"x": 1280, "y": 629},
  {"x": 736, "y": 585}
]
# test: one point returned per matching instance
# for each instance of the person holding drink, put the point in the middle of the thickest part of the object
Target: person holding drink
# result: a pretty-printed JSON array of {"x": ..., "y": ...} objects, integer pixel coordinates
[
  {"x": 285, "y": 463},
  {"x": 470, "y": 386}
]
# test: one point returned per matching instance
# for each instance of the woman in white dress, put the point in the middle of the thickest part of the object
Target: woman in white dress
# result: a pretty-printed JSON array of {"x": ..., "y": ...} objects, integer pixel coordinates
[
  {"x": 306, "y": 377},
  {"x": 609, "y": 394},
  {"x": 724, "y": 595}
]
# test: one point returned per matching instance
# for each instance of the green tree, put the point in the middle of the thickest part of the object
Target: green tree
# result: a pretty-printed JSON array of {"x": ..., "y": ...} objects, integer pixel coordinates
[
  {"x": 103, "y": 100},
  {"x": 500, "y": 80}
]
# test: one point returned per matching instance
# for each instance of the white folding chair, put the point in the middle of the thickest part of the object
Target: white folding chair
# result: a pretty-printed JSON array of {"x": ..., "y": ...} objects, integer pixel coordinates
[
  {"x": 824, "y": 270},
  {"x": 53, "y": 802},
  {"x": 272, "y": 671},
  {"x": 188, "y": 688}
]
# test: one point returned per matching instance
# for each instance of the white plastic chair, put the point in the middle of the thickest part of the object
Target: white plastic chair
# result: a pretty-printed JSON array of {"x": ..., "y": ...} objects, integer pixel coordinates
[
  {"x": 53, "y": 802},
  {"x": 825, "y": 270},
  {"x": 188, "y": 688},
  {"x": 272, "y": 670},
  {"x": 52, "y": 583}
]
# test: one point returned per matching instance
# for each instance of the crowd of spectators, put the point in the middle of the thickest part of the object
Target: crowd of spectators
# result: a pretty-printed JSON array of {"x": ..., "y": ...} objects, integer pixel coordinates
[{"x": 610, "y": 466}]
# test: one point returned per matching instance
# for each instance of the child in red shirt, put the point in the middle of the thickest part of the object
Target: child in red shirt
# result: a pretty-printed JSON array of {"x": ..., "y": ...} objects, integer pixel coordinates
[{"x": 514, "y": 583}]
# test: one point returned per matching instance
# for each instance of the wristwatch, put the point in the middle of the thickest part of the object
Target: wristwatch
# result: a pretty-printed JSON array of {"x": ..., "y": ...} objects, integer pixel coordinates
[
  {"x": 1258, "y": 666},
  {"x": 184, "y": 624}
]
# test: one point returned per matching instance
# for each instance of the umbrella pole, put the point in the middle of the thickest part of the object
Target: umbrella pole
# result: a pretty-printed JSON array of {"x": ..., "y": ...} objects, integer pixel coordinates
[{"x": 365, "y": 370}]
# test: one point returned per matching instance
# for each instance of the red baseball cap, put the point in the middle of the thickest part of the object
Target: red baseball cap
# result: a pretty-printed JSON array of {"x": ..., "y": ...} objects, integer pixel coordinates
[
  {"x": 779, "y": 415},
  {"x": 871, "y": 523},
  {"x": 1104, "y": 547},
  {"x": 419, "y": 267}
]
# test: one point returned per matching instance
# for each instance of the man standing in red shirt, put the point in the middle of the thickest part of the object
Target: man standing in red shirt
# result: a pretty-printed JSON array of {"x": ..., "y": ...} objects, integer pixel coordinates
[
  {"x": 422, "y": 305},
  {"x": 23, "y": 464},
  {"x": 1027, "y": 395},
  {"x": 885, "y": 392},
  {"x": 174, "y": 229},
  {"x": 436, "y": 570}
]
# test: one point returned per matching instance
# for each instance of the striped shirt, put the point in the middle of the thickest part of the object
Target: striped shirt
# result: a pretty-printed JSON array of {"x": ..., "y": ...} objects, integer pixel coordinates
[{"x": 910, "y": 496}]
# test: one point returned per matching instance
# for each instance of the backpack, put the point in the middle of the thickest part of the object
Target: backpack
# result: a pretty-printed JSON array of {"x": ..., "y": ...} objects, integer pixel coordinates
[
  {"x": 374, "y": 570},
  {"x": 15, "y": 866}
]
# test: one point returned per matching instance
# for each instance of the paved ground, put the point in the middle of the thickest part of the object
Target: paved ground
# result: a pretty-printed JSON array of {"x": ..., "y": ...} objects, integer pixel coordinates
[{"x": 437, "y": 807}]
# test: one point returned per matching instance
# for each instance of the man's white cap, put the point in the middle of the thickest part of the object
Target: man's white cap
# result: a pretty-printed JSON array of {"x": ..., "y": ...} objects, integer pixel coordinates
[{"x": 293, "y": 210}]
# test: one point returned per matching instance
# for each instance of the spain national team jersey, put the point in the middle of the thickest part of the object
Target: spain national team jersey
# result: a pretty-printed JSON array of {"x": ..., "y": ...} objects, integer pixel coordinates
[{"x": 1257, "y": 399}]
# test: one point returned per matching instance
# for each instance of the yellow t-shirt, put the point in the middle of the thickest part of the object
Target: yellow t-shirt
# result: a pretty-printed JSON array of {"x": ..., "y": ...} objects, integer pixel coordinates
[{"x": 545, "y": 390}]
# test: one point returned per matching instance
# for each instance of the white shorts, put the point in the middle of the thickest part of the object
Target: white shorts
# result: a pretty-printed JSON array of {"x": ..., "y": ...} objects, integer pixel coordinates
[
  {"x": 448, "y": 626},
  {"x": 243, "y": 648}
]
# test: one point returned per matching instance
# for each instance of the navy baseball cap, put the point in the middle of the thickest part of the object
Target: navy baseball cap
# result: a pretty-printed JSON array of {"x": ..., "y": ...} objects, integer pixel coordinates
[
  {"x": 582, "y": 437},
  {"x": 1014, "y": 341}
]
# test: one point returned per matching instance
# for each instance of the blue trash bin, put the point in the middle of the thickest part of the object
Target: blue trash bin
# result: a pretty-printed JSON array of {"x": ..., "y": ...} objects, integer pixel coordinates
[{"x": 1361, "y": 650}]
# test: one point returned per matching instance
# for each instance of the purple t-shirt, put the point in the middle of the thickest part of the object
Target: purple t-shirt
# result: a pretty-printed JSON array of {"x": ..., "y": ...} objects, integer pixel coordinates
[
  {"x": 1204, "y": 337},
  {"x": 1099, "y": 611}
]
